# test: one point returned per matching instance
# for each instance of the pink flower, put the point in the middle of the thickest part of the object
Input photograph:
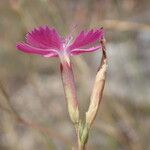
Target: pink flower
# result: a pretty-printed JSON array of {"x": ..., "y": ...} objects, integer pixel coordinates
[{"x": 47, "y": 42}]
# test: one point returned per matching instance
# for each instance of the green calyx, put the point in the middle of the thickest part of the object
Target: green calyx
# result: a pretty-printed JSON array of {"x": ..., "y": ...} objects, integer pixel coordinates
[
  {"x": 73, "y": 113},
  {"x": 83, "y": 133}
]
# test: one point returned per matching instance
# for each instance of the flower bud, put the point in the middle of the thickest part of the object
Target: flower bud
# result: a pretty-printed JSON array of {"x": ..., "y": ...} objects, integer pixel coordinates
[{"x": 98, "y": 88}]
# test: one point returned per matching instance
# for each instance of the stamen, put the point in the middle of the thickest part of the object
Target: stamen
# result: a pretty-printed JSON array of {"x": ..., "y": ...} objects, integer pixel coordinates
[{"x": 69, "y": 37}]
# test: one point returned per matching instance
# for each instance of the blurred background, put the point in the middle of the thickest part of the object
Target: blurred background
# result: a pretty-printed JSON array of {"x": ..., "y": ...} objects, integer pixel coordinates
[{"x": 33, "y": 112}]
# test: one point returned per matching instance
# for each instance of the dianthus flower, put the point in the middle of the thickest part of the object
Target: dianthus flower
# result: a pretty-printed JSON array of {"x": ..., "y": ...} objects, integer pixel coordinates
[{"x": 48, "y": 42}]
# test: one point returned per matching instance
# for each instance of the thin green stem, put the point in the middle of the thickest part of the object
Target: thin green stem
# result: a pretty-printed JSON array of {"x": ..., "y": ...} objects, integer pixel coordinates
[
  {"x": 81, "y": 146},
  {"x": 82, "y": 135}
]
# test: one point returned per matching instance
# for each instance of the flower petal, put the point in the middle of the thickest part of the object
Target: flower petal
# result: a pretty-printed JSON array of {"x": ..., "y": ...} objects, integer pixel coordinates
[
  {"x": 80, "y": 51},
  {"x": 51, "y": 55},
  {"x": 33, "y": 50},
  {"x": 44, "y": 37},
  {"x": 85, "y": 38}
]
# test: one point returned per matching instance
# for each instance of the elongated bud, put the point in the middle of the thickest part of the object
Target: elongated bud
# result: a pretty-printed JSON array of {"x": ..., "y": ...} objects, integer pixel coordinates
[
  {"x": 69, "y": 88},
  {"x": 98, "y": 88}
]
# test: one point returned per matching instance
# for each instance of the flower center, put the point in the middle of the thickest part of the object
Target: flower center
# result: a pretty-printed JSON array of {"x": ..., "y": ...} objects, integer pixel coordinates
[{"x": 67, "y": 42}]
